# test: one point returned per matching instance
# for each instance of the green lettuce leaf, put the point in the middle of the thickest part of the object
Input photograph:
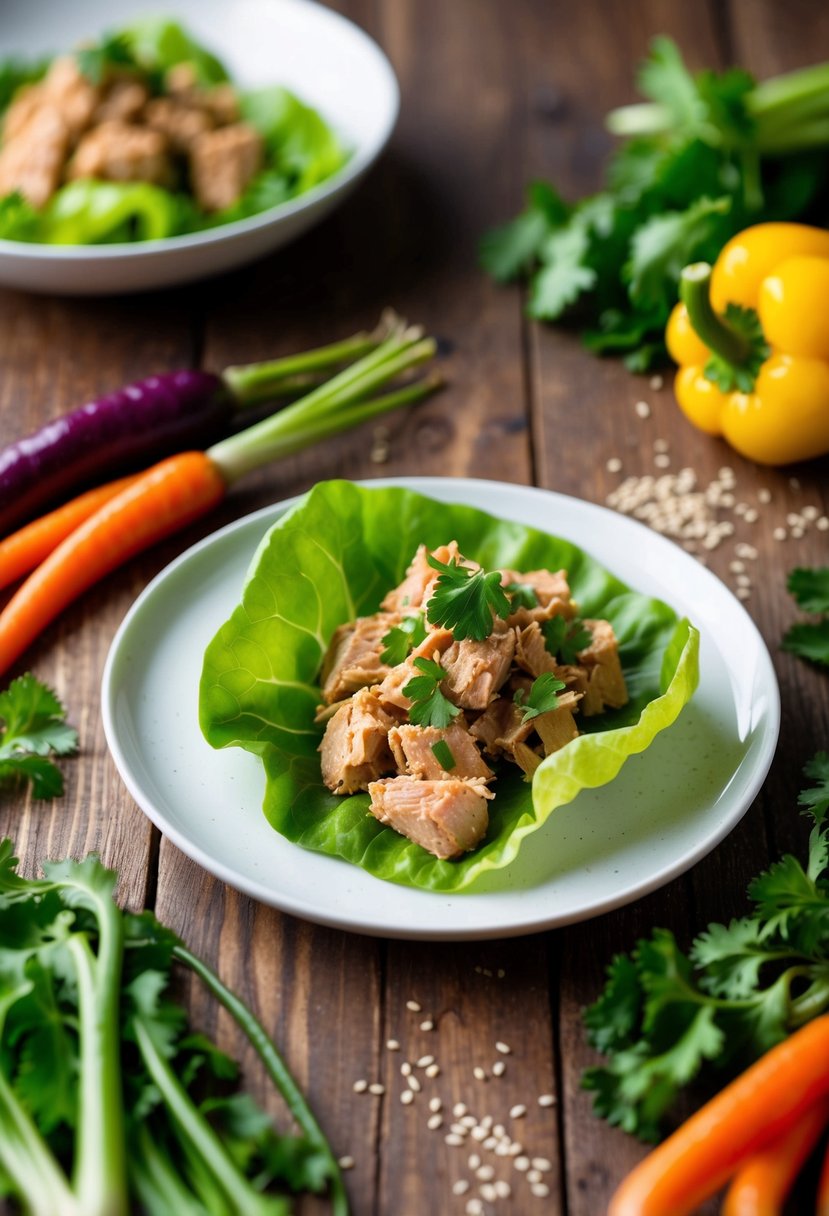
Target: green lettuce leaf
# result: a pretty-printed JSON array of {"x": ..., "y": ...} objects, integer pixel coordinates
[{"x": 332, "y": 558}]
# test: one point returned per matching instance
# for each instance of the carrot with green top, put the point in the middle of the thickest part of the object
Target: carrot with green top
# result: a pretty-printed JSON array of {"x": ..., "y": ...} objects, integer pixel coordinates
[
  {"x": 760, "y": 1187},
  {"x": 177, "y": 491},
  {"x": 25, "y": 549},
  {"x": 761, "y": 1105}
]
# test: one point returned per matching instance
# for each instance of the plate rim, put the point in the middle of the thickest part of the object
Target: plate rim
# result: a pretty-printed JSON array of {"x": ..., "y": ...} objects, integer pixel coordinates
[
  {"x": 490, "y": 930},
  {"x": 345, "y": 177}
]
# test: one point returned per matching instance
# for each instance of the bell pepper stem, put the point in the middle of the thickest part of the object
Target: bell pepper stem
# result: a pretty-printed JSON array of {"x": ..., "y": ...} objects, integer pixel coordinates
[{"x": 712, "y": 329}]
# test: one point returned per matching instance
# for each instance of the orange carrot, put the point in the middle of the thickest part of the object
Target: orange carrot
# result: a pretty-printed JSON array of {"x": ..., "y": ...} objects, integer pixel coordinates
[
  {"x": 760, "y": 1186},
  {"x": 26, "y": 548},
  {"x": 156, "y": 503},
  {"x": 760, "y": 1105}
]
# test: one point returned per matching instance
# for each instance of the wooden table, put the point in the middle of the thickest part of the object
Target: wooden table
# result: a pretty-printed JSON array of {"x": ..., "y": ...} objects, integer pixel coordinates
[{"x": 493, "y": 94}]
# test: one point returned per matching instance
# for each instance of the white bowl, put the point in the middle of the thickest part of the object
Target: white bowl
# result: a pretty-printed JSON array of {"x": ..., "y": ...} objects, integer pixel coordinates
[{"x": 325, "y": 59}]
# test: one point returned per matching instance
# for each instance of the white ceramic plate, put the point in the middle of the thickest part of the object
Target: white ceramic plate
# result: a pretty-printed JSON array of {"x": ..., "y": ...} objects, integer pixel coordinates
[
  {"x": 325, "y": 59},
  {"x": 666, "y": 809}
]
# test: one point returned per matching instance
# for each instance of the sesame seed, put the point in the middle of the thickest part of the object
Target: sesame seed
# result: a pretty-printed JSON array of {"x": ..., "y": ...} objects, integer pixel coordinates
[
  {"x": 546, "y": 1100},
  {"x": 413, "y": 1083},
  {"x": 490, "y": 1143},
  {"x": 435, "y": 1104},
  {"x": 747, "y": 551},
  {"x": 516, "y": 1149},
  {"x": 433, "y": 1071},
  {"x": 479, "y": 1133},
  {"x": 736, "y": 567},
  {"x": 346, "y": 1163},
  {"x": 797, "y": 533},
  {"x": 540, "y": 1190},
  {"x": 518, "y": 1111},
  {"x": 425, "y": 1061},
  {"x": 498, "y": 1131},
  {"x": 811, "y": 513},
  {"x": 764, "y": 496},
  {"x": 453, "y": 1140},
  {"x": 487, "y": 972},
  {"x": 405, "y": 1069},
  {"x": 643, "y": 409},
  {"x": 501, "y": 972},
  {"x": 392, "y": 1045},
  {"x": 379, "y": 453},
  {"x": 502, "y": 1148},
  {"x": 474, "y": 1207},
  {"x": 474, "y": 1161},
  {"x": 743, "y": 580},
  {"x": 499, "y": 1068},
  {"x": 656, "y": 383},
  {"x": 459, "y": 1110},
  {"x": 793, "y": 519},
  {"x": 502, "y": 1189},
  {"x": 479, "y": 1074},
  {"x": 428, "y": 1024},
  {"x": 434, "y": 1122},
  {"x": 360, "y": 1086},
  {"x": 504, "y": 1048},
  {"x": 376, "y": 1088},
  {"x": 614, "y": 465},
  {"x": 459, "y": 1129},
  {"x": 407, "y": 1097},
  {"x": 522, "y": 1163},
  {"x": 660, "y": 445},
  {"x": 743, "y": 593},
  {"x": 662, "y": 461},
  {"x": 460, "y": 1187},
  {"x": 489, "y": 1192},
  {"x": 484, "y": 1172},
  {"x": 823, "y": 523},
  {"x": 541, "y": 1163},
  {"x": 413, "y": 1006},
  {"x": 486, "y": 1122},
  {"x": 468, "y": 1121},
  {"x": 535, "y": 1176},
  {"x": 751, "y": 516},
  {"x": 794, "y": 483}
]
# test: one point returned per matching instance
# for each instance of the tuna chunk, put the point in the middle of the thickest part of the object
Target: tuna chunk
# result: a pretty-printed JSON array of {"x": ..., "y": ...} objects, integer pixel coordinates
[
  {"x": 223, "y": 163},
  {"x": 67, "y": 90},
  {"x": 445, "y": 817},
  {"x": 33, "y": 161},
  {"x": 558, "y": 726},
  {"x": 355, "y": 747},
  {"x": 418, "y": 585},
  {"x": 476, "y": 670},
  {"x": 181, "y": 123},
  {"x": 605, "y": 682},
  {"x": 353, "y": 657},
  {"x": 390, "y": 692},
  {"x": 531, "y": 652},
  {"x": 120, "y": 152},
  {"x": 124, "y": 99},
  {"x": 500, "y": 728},
  {"x": 552, "y": 592},
  {"x": 412, "y": 749}
]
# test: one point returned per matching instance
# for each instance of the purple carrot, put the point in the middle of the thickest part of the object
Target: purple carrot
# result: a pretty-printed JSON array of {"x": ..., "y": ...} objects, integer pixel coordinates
[{"x": 145, "y": 421}]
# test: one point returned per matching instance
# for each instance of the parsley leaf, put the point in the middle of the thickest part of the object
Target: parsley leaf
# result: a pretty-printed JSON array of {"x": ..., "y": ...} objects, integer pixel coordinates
[
  {"x": 443, "y": 754},
  {"x": 464, "y": 600},
  {"x": 512, "y": 250},
  {"x": 521, "y": 595},
  {"x": 542, "y": 697},
  {"x": 403, "y": 638},
  {"x": 810, "y": 588},
  {"x": 113, "y": 51},
  {"x": 816, "y": 801},
  {"x": 809, "y": 642},
  {"x": 663, "y": 244},
  {"x": 34, "y": 728},
  {"x": 564, "y": 639},
  {"x": 429, "y": 706}
]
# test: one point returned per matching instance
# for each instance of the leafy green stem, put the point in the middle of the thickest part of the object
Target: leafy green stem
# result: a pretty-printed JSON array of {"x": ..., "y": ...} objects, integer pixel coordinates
[
  {"x": 812, "y": 1002},
  {"x": 253, "y": 383},
  {"x": 276, "y": 1068},
  {"x": 27, "y": 1159},
  {"x": 735, "y": 339}
]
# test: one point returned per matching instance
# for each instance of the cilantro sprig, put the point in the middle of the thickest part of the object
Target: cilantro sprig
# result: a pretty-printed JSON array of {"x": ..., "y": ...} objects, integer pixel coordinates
[
  {"x": 429, "y": 706},
  {"x": 521, "y": 595},
  {"x": 464, "y": 600},
  {"x": 34, "y": 728},
  {"x": 564, "y": 639},
  {"x": 542, "y": 697},
  {"x": 664, "y": 1015},
  {"x": 402, "y": 639},
  {"x": 807, "y": 639}
]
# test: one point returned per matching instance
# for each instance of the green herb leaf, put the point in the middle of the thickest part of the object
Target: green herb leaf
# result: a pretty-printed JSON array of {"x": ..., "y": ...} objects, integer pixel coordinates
[
  {"x": 113, "y": 52},
  {"x": 809, "y": 641},
  {"x": 541, "y": 698},
  {"x": 34, "y": 728},
  {"x": 564, "y": 639},
  {"x": 402, "y": 639},
  {"x": 521, "y": 595},
  {"x": 429, "y": 706},
  {"x": 664, "y": 244},
  {"x": 664, "y": 78},
  {"x": 443, "y": 754},
  {"x": 464, "y": 600},
  {"x": 810, "y": 588},
  {"x": 816, "y": 801},
  {"x": 512, "y": 250}
]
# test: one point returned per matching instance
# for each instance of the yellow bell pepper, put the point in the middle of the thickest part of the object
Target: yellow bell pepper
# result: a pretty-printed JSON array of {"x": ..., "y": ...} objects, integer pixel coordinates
[{"x": 751, "y": 338}]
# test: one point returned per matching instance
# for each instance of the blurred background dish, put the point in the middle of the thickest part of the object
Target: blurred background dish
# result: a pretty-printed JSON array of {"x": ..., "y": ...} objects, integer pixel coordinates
[{"x": 326, "y": 60}]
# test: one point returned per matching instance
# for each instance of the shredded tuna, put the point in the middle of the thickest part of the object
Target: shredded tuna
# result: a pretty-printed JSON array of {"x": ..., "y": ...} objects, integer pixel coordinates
[
  {"x": 419, "y": 583},
  {"x": 476, "y": 670},
  {"x": 413, "y": 751},
  {"x": 605, "y": 681},
  {"x": 551, "y": 590},
  {"x": 353, "y": 659},
  {"x": 355, "y": 747},
  {"x": 446, "y": 817},
  {"x": 223, "y": 163}
]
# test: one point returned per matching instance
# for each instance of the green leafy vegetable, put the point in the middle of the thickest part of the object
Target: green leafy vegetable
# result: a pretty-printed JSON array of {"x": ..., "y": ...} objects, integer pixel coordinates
[
  {"x": 108, "y": 1104},
  {"x": 403, "y": 638},
  {"x": 443, "y": 754},
  {"x": 706, "y": 156},
  {"x": 429, "y": 706},
  {"x": 810, "y": 640},
  {"x": 332, "y": 558},
  {"x": 521, "y": 595},
  {"x": 34, "y": 728},
  {"x": 158, "y": 44},
  {"x": 464, "y": 600},
  {"x": 665, "y": 1016},
  {"x": 564, "y": 639},
  {"x": 542, "y": 697},
  {"x": 112, "y": 53}
]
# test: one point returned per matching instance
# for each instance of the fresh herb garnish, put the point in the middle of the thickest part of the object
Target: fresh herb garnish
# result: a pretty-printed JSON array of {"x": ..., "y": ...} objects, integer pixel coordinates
[
  {"x": 34, "y": 727},
  {"x": 402, "y": 639},
  {"x": 664, "y": 1015},
  {"x": 464, "y": 599},
  {"x": 564, "y": 639},
  {"x": 114, "y": 52},
  {"x": 429, "y": 706},
  {"x": 542, "y": 697},
  {"x": 521, "y": 595},
  {"x": 810, "y": 640},
  {"x": 443, "y": 754}
]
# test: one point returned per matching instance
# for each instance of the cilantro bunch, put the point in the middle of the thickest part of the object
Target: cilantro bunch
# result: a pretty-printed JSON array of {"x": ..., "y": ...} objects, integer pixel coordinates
[
  {"x": 664, "y": 1016},
  {"x": 109, "y": 1103},
  {"x": 810, "y": 639},
  {"x": 706, "y": 156},
  {"x": 33, "y": 729}
]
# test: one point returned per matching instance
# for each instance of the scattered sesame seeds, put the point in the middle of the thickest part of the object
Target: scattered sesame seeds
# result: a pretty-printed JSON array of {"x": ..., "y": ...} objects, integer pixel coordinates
[
  {"x": 479, "y": 1074},
  {"x": 360, "y": 1086},
  {"x": 518, "y": 1111},
  {"x": 474, "y": 1161},
  {"x": 810, "y": 513},
  {"x": 474, "y": 1207},
  {"x": 499, "y": 1130},
  {"x": 459, "y": 1130},
  {"x": 486, "y": 1122},
  {"x": 405, "y": 1069},
  {"x": 535, "y": 1176},
  {"x": 516, "y": 1149},
  {"x": 425, "y": 1061},
  {"x": 484, "y": 1173},
  {"x": 743, "y": 593},
  {"x": 501, "y": 972},
  {"x": 794, "y": 483},
  {"x": 614, "y": 465},
  {"x": 779, "y": 533},
  {"x": 413, "y": 1083},
  {"x": 376, "y": 1088},
  {"x": 661, "y": 445},
  {"x": 822, "y": 524},
  {"x": 504, "y": 1048},
  {"x": 407, "y": 1097},
  {"x": 468, "y": 1121},
  {"x": 346, "y": 1163},
  {"x": 642, "y": 409},
  {"x": 453, "y": 1140},
  {"x": 479, "y": 1133},
  {"x": 502, "y": 1148},
  {"x": 522, "y": 1163},
  {"x": 427, "y": 1024},
  {"x": 434, "y": 1122},
  {"x": 541, "y": 1163},
  {"x": 503, "y": 1190},
  {"x": 392, "y": 1045},
  {"x": 435, "y": 1105},
  {"x": 413, "y": 1006},
  {"x": 490, "y": 1143},
  {"x": 460, "y": 1187},
  {"x": 751, "y": 516},
  {"x": 797, "y": 532},
  {"x": 764, "y": 496},
  {"x": 656, "y": 383},
  {"x": 488, "y": 1192},
  {"x": 459, "y": 1110},
  {"x": 379, "y": 453},
  {"x": 540, "y": 1190},
  {"x": 433, "y": 1071},
  {"x": 662, "y": 461},
  {"x": 499, "y": 1068}
]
